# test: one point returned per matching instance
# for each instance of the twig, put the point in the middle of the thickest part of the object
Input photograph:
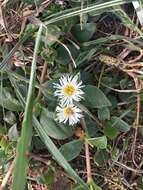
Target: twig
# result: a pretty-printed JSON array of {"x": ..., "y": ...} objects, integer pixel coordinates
[
  {"x": 118, "y": 90},
  {"x": 87, "y": 154},
  {"x": 136, "y": 58},
  {"x": 128, "y": 168},
  {"x": 124, "y": 53},
  {"x": 137, "y": 121},
  {"x": 5, "y": 179},
  {"x": 138, "y": 86}
]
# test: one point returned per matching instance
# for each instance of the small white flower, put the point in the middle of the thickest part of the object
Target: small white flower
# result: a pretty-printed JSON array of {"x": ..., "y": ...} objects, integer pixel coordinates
[
  {"x": 70, "y": 114},
  {"x": 68, "y": 89}
]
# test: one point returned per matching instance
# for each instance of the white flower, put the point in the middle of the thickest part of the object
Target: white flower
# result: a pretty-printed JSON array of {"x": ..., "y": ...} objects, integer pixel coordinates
[
  {"x": 68, "y": 89},
  {"x": 70, "y": 114}
]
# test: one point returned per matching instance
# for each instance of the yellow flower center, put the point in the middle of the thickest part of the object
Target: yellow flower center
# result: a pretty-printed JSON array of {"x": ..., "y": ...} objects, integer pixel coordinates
[
  {"x": 69, "y": 90},
  {"x": 68, "y": 111}
]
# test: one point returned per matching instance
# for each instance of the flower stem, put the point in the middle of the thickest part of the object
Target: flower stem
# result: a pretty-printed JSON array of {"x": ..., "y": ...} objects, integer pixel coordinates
[{"x": 87, "y": 153}]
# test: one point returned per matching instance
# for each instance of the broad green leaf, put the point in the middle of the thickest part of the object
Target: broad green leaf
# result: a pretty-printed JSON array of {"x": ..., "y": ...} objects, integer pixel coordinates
[
  {"x": 87, "y": 78},
  {"x": 101, "y": 157},
  {"x": 8, "y": 101},
  {"x": 63, "y": 56},
  {"x": 99, "y": 142},
  {"x": 119, "y": 124},
  {"x": 56, "y": 153},
  {"x": 104, "y": 113},
  {"x": 71, "y": 149},
  {"x": 84, "y": 109},
  {"x": 95, "y": 98},
  {"x": 52, "y": 128},
  {"x": 92, "y": 126},
  {"x": 110, "y": 131},
  {"x": 84, "y": 34}
]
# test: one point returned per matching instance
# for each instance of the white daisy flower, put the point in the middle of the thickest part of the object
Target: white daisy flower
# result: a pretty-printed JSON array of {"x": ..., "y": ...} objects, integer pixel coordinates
[
  {"x": 69, "y": 90},
  {"x": 70, "y": 114}
]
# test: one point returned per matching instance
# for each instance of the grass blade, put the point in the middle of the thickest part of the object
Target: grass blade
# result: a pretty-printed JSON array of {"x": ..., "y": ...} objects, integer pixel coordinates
[
  {"x": 92, "y": 8},
  {"x": 21, "y": 165}
]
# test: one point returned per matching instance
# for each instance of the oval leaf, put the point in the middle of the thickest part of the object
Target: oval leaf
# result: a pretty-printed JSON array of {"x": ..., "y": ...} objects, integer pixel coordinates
[
  {"x": 104, "y": 113},
  {"x": 72, "y": 149},
  {"x": 99, "y": 142},
  {"x": 95, "y": 98},
  {"x": 63, "y": 55},
  {"x": 119, "y": 124},
  {"x": 86, "y": 33},
  {"x": 8, "y": 101},
  {"x": 110, "y": 131}
]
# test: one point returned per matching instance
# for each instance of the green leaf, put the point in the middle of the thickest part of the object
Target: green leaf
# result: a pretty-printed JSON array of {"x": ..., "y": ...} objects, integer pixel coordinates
[
  {"x": 101, "y": 157},
  {"x": 63, "y": 56},
  {"x": 56, "y": 153},
  {"x": 104, "y": 113},
  {"x": 95, "y": 98},
  {"x": 110, "y": 131},
  {"x": 8, "y": 101},
  {"x": 99, "y": 142},
  {"x": 53, "y": 129},
  {"x": 119, "y": 124},
  {"x": 86, "y": 33},
  {"x": 92, "y": 127},
  {"x": 72, "y": 149}
]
